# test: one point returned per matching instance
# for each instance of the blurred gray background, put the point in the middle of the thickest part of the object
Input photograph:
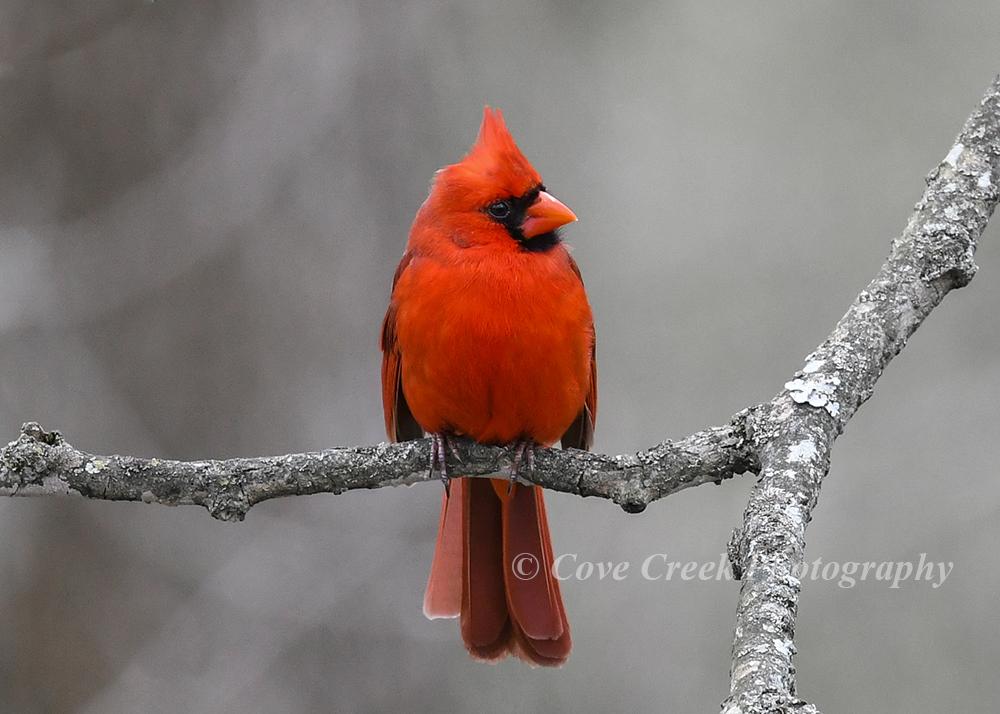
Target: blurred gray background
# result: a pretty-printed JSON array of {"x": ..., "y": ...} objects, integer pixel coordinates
[{"x": 201, "y": 206}]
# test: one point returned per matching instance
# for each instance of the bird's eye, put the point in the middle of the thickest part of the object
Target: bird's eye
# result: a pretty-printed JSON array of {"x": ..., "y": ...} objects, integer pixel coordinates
[{"x": 499, "y": 209}]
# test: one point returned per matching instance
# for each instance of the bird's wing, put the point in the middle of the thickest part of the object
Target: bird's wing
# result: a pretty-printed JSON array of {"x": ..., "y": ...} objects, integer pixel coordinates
[
  {"x": 580, "y": 434},
  {"x": 399, "y": 422}
]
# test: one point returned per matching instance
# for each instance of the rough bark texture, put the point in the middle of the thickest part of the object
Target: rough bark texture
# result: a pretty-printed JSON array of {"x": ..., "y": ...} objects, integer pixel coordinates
[
  {"x": 43, "y": 463},
  {"x": 793, "y": 434},
  {"x": 787, "y": 441}
]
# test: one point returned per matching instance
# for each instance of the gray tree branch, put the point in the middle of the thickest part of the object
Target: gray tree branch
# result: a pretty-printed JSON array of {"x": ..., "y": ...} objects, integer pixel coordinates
[
  {"x": 793, "y": 434},
  {"x": 787, "y": 441},
  {"x": 43, "y": 463}
]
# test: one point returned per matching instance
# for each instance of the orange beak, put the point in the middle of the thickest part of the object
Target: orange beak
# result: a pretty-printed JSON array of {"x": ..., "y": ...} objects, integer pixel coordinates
[{"x": 546, "y": 214}]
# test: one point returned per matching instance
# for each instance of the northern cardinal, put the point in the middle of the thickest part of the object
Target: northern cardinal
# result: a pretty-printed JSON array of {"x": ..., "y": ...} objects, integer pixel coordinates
[{"x": 489, "y": 335}]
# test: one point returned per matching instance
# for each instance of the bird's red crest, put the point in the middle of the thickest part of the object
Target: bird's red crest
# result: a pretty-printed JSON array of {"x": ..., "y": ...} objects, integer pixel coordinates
[{"x": 494, "y": 165}]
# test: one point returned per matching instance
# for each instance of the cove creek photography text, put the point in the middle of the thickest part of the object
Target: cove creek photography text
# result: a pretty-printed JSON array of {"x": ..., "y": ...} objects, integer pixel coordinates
[{"x": 659, "y": 567}]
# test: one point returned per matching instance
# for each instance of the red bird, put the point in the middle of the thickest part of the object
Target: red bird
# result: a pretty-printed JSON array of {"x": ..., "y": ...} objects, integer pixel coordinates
[{"x": 489, "y": 335}]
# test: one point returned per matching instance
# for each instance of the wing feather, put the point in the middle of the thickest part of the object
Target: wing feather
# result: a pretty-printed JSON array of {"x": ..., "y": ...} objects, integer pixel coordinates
[
  {"x": 580, "y": 434},
  {"x": 399, "y": 422}
]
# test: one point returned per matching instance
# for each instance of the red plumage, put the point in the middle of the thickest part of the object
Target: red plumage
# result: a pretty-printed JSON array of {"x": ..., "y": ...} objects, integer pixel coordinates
[{"x": 489, "y": 335}]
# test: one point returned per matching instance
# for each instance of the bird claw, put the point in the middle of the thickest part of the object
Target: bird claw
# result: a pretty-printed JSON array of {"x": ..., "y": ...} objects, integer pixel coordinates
[
  {"x": 453, "y": 450},
  {"x": 439, "y": 462},
  {"x": 523, "y": 450}
]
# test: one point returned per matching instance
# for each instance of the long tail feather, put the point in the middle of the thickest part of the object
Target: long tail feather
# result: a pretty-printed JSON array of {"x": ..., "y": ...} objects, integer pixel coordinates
[
  {"x": 443, "y": 596},
  {"x": 493, "y": 568},
  {"x": 531, "y": 594},
  {"x": 485, "y": 622},
  {"x": 541, "y": 628}
]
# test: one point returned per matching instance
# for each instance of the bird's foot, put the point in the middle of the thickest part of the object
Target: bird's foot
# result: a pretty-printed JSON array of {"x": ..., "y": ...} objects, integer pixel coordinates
[
  {"x": 522, "y": 450},
  {"x": 440, "y": 446}
]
